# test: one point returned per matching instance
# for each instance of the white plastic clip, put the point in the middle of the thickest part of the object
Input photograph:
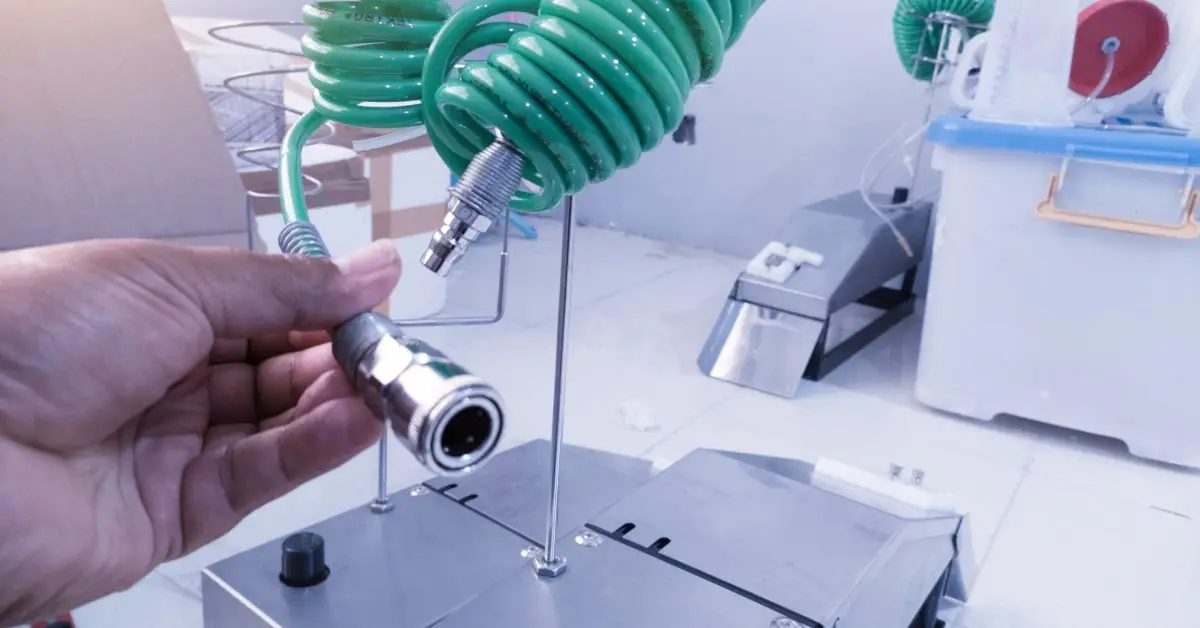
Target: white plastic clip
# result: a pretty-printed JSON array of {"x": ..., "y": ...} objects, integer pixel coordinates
[{"x": 777, "y": 261}]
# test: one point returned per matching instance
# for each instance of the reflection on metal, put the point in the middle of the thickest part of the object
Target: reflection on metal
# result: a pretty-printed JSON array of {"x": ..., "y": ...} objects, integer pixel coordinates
[
  {"x": 770, "y": 336},
  {"x": 717, "y": 539}
]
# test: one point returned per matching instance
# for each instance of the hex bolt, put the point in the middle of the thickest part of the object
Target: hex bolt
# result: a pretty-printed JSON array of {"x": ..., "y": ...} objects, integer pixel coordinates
[{"x": 894, "y": 471}]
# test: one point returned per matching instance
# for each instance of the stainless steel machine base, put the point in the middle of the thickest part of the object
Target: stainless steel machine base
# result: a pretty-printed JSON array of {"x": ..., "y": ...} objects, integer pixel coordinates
[
  {"x": 718, "y": 539},
  {"x": 770, "y": 336}
]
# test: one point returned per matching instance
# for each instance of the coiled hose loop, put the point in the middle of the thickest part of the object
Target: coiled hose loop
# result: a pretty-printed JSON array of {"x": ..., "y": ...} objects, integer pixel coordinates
[
  {"x": 585, "y": 90},
  {"x": 367, "y": 58}
]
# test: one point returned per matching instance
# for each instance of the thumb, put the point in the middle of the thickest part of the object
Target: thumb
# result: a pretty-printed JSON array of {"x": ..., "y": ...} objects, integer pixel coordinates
[{"x": 244, "y": 294}]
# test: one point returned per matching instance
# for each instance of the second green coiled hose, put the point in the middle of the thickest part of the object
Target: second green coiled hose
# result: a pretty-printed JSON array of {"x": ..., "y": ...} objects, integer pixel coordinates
[
  {"x": 583, "y": 90},
  {"x": 918, "y": 41}
]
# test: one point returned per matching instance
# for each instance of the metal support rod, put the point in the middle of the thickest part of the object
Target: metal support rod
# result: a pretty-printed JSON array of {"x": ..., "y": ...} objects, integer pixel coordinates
[
  {"x": 382, "y": 502},
  {"x": 501, "y": 295},
  {"x": 942, "y": 55},
  {"x": 549, "y": 563}
]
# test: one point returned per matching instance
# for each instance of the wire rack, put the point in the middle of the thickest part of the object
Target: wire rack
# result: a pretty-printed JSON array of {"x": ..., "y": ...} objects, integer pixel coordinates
[{"x": 258, "y": 93}]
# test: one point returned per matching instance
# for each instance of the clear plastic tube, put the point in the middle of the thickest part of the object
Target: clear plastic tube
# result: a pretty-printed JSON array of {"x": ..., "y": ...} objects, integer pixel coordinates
[{"x": 867, "y": 183}]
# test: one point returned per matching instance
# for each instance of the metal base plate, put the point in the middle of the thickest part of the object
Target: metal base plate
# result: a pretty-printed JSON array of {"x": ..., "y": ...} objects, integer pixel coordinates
[{"x": 718, "y": 539}]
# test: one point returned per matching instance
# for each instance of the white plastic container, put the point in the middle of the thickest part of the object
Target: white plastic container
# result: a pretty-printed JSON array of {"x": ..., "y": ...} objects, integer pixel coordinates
[
  {"x": 1076, "y": 305},
  {"x": 1028, "y": 65},
  {"x": 974, "y": 55},
  {"x": 1181, "y": 80}
]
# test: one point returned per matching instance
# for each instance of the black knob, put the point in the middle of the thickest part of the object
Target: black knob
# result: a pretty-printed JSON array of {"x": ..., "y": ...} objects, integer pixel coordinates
[{"x": 304, "y": 560}]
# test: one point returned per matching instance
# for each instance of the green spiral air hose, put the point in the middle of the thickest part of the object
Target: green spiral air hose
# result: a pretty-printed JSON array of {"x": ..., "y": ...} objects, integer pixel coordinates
[
  {"x": 914, "y": 39},
  {"x": 583, "y": 90}
]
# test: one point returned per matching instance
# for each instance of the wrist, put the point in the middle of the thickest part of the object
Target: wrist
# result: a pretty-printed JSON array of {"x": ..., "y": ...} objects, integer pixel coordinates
[{"x": 36, "y": 567}]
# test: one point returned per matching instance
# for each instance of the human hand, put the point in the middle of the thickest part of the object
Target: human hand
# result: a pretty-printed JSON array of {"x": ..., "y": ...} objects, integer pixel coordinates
[{"x": 152, "y": 396}]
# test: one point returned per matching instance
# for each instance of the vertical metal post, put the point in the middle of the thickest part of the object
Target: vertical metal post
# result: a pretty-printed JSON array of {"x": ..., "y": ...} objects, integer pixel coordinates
[
  {"x": 549, "y": 564},
  {"x": 382, "y": 503},
  {"x": 939, "y": 64}
]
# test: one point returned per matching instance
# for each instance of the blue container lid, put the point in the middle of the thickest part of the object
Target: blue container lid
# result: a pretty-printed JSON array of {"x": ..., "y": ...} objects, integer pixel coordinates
[{"x": 1160, "y": 149}]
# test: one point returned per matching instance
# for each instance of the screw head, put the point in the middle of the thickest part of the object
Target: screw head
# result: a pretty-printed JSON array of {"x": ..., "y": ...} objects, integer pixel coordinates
[
  {"x": 531, "y": 551},
  {"x": 918, "y": 477},
  {"x": 784, "y": 622},
  {"x": 588, "y": 539},
  {"x": 419, "y": 491}
]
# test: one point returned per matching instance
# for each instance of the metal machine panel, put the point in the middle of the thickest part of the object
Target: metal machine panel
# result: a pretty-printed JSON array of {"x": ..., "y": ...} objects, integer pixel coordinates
[
  {"x": 408, "y": 568},
  {"x": 860, "y": 254},
  {"x": 722, "y": 539},
  {"x": 761, "y": 348},
  {"x": 772, "y": 335},
  {"x": 797, "y": 470},
  {"x": 514, "y": 489},
  {"x": 901, "y": 584},
  {"x": 610, "y": 585},
  {"x": 789, "y": 543}
]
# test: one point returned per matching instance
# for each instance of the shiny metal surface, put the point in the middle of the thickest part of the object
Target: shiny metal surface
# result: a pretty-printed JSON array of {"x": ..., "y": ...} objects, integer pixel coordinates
[
  {"x": 771, "y": 336},
  {"x": 382, "y": 503},
  {"x": 760, "y": 347},
  {"x": 481, "y": 196},
  {"x": 611, "y": 586},
  {"x": 461, "y": 227},
  {"x": 788, "y": 543},
  {"x": 748, "y": 544},
  {"x": 550, "y": 564},
  {"x": 512, "y": 492},
  {"x": 448, "y": 418},
  {"x": 411, "y": 568}
]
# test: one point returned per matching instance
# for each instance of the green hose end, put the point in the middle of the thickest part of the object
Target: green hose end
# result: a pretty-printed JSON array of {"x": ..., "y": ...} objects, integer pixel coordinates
[{"x": 916, "y": 42}]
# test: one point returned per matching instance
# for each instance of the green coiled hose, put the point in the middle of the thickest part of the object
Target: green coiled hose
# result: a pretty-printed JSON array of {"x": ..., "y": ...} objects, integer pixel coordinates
[
  {"x": 584, "y": 89},
  {"x": 915, "y": 39}
]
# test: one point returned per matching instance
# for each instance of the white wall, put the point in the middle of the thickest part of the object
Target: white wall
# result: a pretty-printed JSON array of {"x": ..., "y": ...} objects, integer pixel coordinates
[
  {"x": 810, "y": 90},
  {"x": 237, "y": 9}
]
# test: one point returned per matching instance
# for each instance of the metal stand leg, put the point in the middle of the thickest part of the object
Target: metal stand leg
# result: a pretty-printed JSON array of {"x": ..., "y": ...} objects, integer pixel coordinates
[
  {"x": 382, "y": 503},
  {"x": 549, "y": 564}
]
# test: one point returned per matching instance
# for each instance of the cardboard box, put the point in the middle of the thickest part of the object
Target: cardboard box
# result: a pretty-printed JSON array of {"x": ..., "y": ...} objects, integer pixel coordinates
[{"x": 109, "y": 134}]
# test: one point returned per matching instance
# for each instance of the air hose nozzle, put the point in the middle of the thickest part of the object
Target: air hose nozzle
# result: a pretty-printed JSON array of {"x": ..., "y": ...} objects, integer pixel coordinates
[{"x": 477, "y": 201}]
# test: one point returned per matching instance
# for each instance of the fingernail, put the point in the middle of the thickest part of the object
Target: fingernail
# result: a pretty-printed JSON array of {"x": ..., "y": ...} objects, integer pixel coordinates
[{"x": 380, "y": 256}]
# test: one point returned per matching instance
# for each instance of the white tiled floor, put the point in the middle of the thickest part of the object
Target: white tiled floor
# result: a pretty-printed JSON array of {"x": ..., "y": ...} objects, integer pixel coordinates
[{"x": 1071, "y": 532}]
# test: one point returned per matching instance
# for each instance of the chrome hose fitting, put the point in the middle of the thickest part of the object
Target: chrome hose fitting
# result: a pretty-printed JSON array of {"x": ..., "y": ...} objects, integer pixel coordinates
[
  {"x": 448, "y": 418},
  {"x": 480, "y": 198}
]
